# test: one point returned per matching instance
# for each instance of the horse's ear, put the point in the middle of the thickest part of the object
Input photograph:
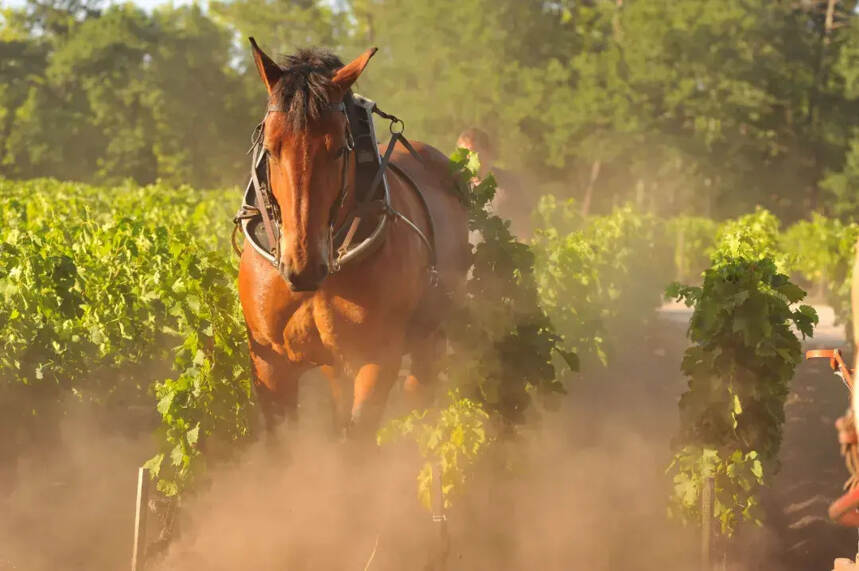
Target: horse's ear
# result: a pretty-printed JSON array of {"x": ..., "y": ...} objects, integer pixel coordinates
[
  {"x": 269, "y": 71},
  {"x": 348, "y": 74}
]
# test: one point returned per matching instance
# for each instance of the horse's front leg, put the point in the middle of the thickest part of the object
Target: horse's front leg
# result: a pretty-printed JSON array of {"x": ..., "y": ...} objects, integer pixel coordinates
[
  {"x": 371, "y": 387},
  {"x": 276, "y": 385},
  {"x": 341, "y": 398}
]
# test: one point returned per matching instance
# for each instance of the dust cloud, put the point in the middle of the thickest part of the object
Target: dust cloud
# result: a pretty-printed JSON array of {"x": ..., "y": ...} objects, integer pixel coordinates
[
  {"x": 585, "y": 490},
  {"x": 68, "y": 503},
  {"x": 303, "y": 503}
]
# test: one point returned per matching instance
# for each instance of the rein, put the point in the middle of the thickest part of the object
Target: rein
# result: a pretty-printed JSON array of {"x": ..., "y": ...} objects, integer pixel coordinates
[{"x": 267, "y": 208}]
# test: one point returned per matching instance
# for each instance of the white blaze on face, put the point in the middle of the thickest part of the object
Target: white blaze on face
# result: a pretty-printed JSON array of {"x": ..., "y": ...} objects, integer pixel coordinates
[{"x": 321, "y": 243}]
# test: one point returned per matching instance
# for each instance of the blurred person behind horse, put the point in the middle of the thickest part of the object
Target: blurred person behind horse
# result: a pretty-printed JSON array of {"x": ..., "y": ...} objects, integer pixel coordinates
[{"x": 511, "y": 202}]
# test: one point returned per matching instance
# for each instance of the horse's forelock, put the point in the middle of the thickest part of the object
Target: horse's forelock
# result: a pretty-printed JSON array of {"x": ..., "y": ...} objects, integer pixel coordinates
[{"x": 305, "y": 86}]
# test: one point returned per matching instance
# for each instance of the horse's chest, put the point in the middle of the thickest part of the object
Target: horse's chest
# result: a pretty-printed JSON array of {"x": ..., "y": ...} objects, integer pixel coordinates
[{"x": 321, "y": 329}]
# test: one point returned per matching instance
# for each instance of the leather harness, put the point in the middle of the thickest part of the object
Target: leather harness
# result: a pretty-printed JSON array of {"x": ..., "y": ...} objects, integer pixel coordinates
[{"x": 259, "y": 214}]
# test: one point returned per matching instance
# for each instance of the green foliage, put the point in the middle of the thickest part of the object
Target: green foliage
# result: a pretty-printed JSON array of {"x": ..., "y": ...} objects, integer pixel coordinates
[
  {"x": 511, "y": 60},
  {"x": 283, "y": 26},
  {"x": 123, "y": 93},
  {"x": 451, "y": 438},
  {"x": 737, "y": 476},
  {"x": 558, "y": 217},
  {"x": 751, "y": 236},
  {"x": 661, "y": 95},
  {"x": 842, "y": 183},
  {"x": 104, "y": 291},
  {"x": 503, "y": 345},
  {"x": 743, "y": 356},
  {"x": 571, "y": 290},
  {"x": 602, "y": 277},
  {"x": 694, "y": 238},
  {"x": 841, "y": 179},
  {"x": 811, "y": 244},
  {"x": 503, "y": 341},
  {"x": 823, "y": 251},
  {"x": 634, "y": 259},
  {"x": 210, "y": 397},
  {"x": 666, "y": 93}
]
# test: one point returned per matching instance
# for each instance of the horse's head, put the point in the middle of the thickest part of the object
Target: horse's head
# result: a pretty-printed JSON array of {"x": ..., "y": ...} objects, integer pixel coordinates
[{"x": 309, "y": 145}]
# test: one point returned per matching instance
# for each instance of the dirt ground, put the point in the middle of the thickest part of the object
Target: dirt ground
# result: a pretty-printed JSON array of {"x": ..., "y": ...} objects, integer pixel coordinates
[{"x": 591, "y": 494}]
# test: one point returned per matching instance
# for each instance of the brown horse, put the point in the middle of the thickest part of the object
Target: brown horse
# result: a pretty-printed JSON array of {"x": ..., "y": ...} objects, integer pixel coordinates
[{"x": 358, "y": 322}]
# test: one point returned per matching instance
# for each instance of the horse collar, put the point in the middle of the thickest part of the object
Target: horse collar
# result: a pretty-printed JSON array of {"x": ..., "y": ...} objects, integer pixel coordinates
[{"x": 259, "y": 214}]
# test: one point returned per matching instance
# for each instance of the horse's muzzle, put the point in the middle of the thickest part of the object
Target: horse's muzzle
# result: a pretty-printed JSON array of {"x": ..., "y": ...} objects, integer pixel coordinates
[{"x": 307, "y": 280}]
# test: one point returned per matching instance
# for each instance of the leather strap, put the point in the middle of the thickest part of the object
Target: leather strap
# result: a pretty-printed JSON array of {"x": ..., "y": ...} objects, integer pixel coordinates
[
  {"x": 267, "y": 209},
  {"x": 262, "y": 194}
]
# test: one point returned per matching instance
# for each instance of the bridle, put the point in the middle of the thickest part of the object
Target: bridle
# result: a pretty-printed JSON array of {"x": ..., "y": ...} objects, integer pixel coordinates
[
  {"x": 265, "y": 193},
  {"x": 268, "y": 210}
]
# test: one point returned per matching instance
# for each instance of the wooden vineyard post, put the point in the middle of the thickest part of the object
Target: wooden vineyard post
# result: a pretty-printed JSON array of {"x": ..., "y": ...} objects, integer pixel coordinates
[
  {"x": 439, "y": 518},
  {"x": 706, "y": 523},
  {"x": 138, "y": 554}
]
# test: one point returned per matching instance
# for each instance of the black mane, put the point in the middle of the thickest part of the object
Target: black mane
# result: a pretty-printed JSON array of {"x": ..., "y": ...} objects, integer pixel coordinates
[{"x": 303, "y": 89}]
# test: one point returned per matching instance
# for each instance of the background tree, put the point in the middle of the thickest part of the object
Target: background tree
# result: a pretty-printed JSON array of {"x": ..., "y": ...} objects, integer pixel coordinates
[
  {"x": 680, "y": 106},
  {"x": 126, "y": 94}
]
